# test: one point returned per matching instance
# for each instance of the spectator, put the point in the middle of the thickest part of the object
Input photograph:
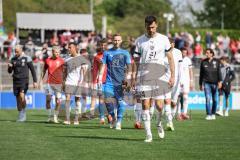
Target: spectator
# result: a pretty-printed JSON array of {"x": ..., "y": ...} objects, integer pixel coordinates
[
  {"x": 54, "y": 41},
  {"x": 226, "y": 42},
  {"x": 228, "y": 76},
  {"x": 198, "y": 37},
  {"x": 45, "y": 53},
  {"x": 220, "y": 45},
  {"x": 65, "y": 52},
  {"x": 29, "y": 47},
  {"x": 209, "y": 39},
  {"x": 233, "y": 46},
  {"x": 197, "y": 50},
  {"x": 210, "y": 80},
  {"x": 11, "y": 43},
  {"x": 237, "y": 58}
]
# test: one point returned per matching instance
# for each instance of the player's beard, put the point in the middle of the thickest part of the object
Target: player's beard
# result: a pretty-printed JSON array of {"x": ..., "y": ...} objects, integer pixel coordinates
[
  {"x": 151, "y": 34},
  {"x": 116, "y": 46}
]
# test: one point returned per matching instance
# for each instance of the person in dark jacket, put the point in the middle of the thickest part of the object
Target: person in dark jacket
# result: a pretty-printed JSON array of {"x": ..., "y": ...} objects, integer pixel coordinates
[
  {"x": 228, "y": 76},
  {"x": 19, "y": 66},
  {"x": 210, "y": 80}
]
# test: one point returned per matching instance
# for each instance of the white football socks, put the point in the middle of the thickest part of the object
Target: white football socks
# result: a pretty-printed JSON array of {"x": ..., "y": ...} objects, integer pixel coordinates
[
  {"x": 185, "y": 103},
  {"x": 159, "y": 118},
  {"x": 49, "y": 112},
  {"x": 173, "y": 111},
  {"x": 168, "y": 113},
  {"x": 77, "y": 110},
  {"x": 221, "y": 103},
  {"x": 147, "y": 122},
  {"x": 84, "y": 107},
  {"x": 138, "y": 111},
  {"x": 151, "y": 111},
  {"x": 56, "y": 113},
  {"x": 67, "y": 108}
]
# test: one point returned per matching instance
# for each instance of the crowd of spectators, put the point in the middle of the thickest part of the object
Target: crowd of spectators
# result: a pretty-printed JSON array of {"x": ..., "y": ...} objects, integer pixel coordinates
[
  {"x": 195, "y": 44},
  {"x": 222, "y": 45}
]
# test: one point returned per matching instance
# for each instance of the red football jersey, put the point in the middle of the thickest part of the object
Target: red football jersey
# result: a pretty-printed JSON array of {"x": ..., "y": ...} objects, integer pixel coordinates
[
  {"x": 97, "y": 61},
  {"x": 55, "y": 70}
]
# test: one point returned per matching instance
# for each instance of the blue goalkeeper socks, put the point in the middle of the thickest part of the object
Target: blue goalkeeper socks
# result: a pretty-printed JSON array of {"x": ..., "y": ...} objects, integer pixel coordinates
[
  {"x": 120, "y": 110},
  {"x": 110, "y": 109},
  {"x": 101, "y": 110}
]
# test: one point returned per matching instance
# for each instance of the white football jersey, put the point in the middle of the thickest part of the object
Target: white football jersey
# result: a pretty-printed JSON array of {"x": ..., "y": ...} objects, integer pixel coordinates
[
  {"x": 73, "y": 71},
  {"x": 153, "y": 50},
  {"x": 177, "y": 58},
  {"x": 186, "y": 65}
]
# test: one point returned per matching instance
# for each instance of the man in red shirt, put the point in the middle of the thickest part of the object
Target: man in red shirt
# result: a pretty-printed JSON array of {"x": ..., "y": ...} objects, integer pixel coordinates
[
  {"x": 97, "y": 61},
  {"x": 54, "y": 66}
]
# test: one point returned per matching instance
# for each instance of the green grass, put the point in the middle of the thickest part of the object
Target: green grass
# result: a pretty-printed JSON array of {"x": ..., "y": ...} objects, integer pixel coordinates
[{"x": 193, "y": 139}]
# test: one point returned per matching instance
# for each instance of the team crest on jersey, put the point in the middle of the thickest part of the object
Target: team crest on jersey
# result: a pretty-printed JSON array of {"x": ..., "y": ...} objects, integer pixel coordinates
[
  {"x": 74, "y": 65},
  {"x": 121, "y": 56},
  {"x": 57, "y": 63},
  {"x": 152, "y": 47},
  {"x": 23, "y": 62},
  {"x": 214, "y": 64}
]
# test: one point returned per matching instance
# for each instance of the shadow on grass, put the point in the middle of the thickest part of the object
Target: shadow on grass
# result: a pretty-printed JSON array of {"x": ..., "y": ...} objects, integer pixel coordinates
[
  {"x": 26, "y": 122},
  {"x": 76, "y": 126},
  {"x": 39, "y": 115},
  {"x": 7, "y": 120},
  {"x": 103, "y": 138},
  {"x": 132, "y": 128},
  {"x": 38, "y": 121}
]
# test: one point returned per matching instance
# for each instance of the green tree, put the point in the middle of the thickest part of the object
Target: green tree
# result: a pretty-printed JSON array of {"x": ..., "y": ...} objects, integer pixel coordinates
[
  {"x": 124, "y": 16},
  {"x": 213, "y": 11},
  {"x": 127, "y": 16}
]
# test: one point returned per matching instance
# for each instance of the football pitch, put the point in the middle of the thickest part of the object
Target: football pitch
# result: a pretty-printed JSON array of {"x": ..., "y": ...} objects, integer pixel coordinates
[{"x": 192, "y": 139}]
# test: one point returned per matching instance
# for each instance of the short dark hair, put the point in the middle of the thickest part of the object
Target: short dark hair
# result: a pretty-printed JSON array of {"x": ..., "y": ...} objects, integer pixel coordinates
[
  {"x": 117, "y": 34},
  {"x": 72, "y": 43},
  {"x": 225, "y": 58},
  {"x": 150, "y": 19},
  {"x": 171, "y": 40},
  {"x": 211, "y": 50},
  {"x": 104, "y": 40},
  {"x": 183, "y": 49},
  {"x": 83, "y": 50}
]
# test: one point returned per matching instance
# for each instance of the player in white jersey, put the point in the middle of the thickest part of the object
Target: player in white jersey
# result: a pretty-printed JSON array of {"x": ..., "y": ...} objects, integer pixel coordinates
[
  {"x": 85, "y": 84},
  {"x": 73, "y": 77},
  {"x": 177, "y": 57},
  {"x": 186, "y": 85},
  {"x": 153, "y": 80}
]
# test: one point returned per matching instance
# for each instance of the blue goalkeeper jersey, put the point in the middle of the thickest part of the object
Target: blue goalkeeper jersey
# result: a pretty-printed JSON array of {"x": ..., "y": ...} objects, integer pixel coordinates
[{"x": 116, "y": 61}]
